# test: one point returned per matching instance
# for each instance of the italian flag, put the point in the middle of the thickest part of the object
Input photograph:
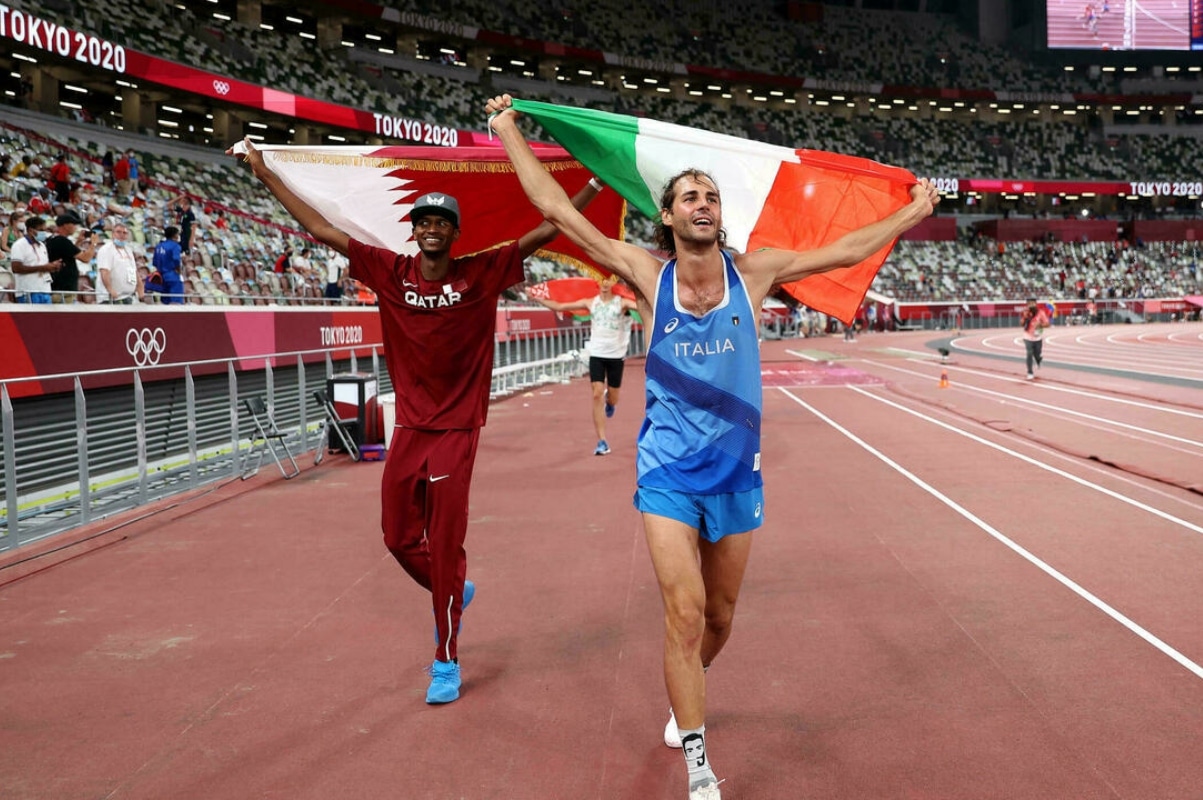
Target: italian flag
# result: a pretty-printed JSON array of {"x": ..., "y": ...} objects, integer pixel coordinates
[{"x": 773, "y": 197}]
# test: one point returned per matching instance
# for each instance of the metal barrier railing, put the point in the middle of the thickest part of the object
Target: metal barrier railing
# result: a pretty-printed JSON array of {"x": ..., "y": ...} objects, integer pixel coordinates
[{"x": 209, "y": 444}]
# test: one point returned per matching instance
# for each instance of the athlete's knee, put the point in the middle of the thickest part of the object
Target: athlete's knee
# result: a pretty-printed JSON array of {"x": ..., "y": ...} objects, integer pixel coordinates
[{"x": 685, "y": 620}]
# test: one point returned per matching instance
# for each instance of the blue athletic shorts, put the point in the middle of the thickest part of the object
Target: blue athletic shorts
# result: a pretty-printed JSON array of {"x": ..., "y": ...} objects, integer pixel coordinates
[{"x": 714, "y": 515}]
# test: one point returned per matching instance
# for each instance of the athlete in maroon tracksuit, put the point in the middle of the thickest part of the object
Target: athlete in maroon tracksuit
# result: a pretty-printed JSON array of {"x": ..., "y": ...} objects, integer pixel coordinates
[{"x": 439, "y": 316}]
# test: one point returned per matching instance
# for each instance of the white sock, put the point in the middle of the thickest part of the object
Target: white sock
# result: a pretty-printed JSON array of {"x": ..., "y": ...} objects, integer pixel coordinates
[{"x": 693, "y": 745}]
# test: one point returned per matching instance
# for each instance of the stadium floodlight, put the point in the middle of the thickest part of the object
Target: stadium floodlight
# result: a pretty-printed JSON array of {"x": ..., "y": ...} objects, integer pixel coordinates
[
  {"x": 263, "y": 26},
  {"x": 65, "y": 104},
  {"x": 221, "y": 16},
  {"x": 695, "y": 92},
  {"x": 172, "y": 109},
  {"x": 294, "y": 20},
  {"x": 71, "y": 88},
  {"x": 23, "y": 57},
  {"x": 375, "y": 37}
]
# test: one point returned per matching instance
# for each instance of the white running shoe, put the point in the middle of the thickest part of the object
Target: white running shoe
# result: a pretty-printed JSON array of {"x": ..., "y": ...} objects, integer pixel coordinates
[
  {"x": 707, "y": 791},
  {"x": 672, "y": 736}
]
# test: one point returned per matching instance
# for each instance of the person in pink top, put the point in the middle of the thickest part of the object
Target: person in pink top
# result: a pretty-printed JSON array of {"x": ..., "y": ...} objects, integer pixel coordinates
[
  {"x": 1034, "y": 321},
  {"x": 439, "y": 317}
]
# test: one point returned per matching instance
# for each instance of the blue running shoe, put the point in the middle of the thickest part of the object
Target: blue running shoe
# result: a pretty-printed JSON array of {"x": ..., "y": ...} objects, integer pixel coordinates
[
  {"x": 603, "y": 449},
  {"x": 609, "y": 409},
  {"x": 469, "y": 593},
  {"x": 444, "y": 682}
]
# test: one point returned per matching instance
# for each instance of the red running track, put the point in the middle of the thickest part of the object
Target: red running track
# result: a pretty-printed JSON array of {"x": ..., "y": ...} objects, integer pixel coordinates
[{"x": 955, "y": 595}]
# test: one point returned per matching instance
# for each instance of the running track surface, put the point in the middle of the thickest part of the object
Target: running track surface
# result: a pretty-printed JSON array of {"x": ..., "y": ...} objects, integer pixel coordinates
[{"x": 988, "y": 590}]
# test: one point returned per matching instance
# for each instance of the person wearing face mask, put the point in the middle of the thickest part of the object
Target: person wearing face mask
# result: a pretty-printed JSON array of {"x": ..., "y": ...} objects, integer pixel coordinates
[
  {"x": 30, "y": 264},
  {"x": 14, "y": 229},
  {"x": 116, "y": 270}
]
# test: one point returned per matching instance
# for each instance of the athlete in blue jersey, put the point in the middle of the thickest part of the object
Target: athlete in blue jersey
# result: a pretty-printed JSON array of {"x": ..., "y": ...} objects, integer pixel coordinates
[{"x": 699, "y": 485}]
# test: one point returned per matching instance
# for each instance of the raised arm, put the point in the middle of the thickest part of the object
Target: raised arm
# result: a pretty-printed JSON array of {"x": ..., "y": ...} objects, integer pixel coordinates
[
  {"x": 768, "y": 267},
  {"x": 576, "y": 305},
  {"x": 542, "y": 235},
  {"x": 634, "y": 264},
  {"x": 301, "y": 211}
]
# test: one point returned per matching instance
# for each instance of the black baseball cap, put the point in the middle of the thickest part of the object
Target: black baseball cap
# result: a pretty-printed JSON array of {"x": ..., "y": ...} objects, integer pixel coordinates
[{"x": 444, "y": 205}]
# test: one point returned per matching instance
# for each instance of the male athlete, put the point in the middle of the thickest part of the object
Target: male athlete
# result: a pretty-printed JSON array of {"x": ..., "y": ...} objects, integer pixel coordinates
[
  {"x": 609, "y": 340},
  {"x": 698, "y": 463},
  {"x": 439, "y": 316}
]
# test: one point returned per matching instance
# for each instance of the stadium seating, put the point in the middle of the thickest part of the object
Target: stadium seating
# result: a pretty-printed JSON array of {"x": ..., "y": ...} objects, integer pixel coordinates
[{"x": 855, "y": 46}]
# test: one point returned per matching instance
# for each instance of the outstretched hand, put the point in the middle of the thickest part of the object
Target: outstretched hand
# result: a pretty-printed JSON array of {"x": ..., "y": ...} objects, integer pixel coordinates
[
  {"x": 500, "y": 107},
  {"x": 247, "y": 153},
  {"x": 924, "y": 192}
]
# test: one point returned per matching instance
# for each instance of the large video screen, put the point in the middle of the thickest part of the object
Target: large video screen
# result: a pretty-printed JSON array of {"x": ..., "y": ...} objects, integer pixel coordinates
[{"x": 1125, "y": 24}]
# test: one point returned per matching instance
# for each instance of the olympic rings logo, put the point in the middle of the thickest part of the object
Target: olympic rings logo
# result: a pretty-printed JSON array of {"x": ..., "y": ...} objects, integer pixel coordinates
[
  {"x": 221, "y": 87},
  {"x": 145, "y": 345}
]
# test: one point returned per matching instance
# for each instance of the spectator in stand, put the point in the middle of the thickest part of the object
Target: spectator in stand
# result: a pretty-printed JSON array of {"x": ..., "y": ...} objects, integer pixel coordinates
[
  {"x": 14, "y": 229},
  {"x": 117, "y": 270},
  {"x": 30, "y": 264},
  {"x": 135, "y": 170},
  {"x": 125, "y": 186},
  {"x": 167, "y": 260},
  {"x": 60, "y": 179},
  {"x": 40, "y": 202},
  {"x": 106, "y": 169},
  {"x": 336, "y": 272},
  {"x": 69, "y": 254},
  {"x": 20, "y": 169},
  {"x": 301, "y": 268},
  {"x": 282, "y": 265},
  {"x": 219, "y": 220},
  {"x": 186, "y": 219}
]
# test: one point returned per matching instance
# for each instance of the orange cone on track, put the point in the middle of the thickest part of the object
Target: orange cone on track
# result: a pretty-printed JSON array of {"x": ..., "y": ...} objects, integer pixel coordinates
[{"x": 943, "y": 379}]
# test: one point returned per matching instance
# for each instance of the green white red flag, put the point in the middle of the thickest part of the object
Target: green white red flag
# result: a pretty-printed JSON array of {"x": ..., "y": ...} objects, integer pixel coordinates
[
  {"x": 773, "y": 197},
  {"x": 368, "y": 192}
]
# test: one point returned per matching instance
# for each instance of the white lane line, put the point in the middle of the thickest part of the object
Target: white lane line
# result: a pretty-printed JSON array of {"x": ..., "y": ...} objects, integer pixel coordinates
[
  {"x": 1036, "y": 403},
  {"x": 1051, "y": 388},
  {"x": 1059, "y": 472},
  {"x": 1064, "y": 580},
  {"x": 803, "y": 356}
]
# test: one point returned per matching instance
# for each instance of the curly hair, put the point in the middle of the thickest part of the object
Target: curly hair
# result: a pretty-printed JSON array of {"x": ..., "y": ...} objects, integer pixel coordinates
[{"x": 664, "y": 234}]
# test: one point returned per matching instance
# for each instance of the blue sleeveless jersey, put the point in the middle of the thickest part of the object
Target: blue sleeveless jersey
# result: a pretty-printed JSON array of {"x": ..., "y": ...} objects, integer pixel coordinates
[{"x": 702, "y": 430}]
